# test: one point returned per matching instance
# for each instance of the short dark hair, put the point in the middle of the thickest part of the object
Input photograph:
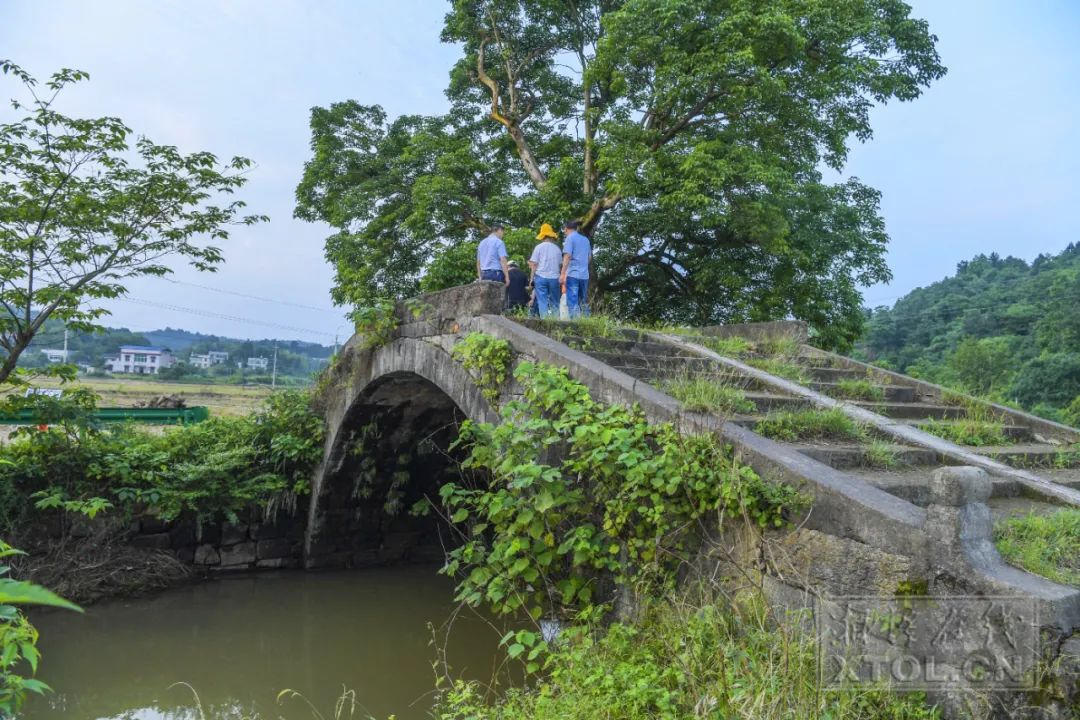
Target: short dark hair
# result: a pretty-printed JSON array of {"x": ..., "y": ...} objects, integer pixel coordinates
[
  {"x": 497, "y": 226},
  {"x": 572, "y": 224}
]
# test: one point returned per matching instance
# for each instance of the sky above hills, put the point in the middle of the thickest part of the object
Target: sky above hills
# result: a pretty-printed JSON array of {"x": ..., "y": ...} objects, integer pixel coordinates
[{"x": 987, "y": 161}]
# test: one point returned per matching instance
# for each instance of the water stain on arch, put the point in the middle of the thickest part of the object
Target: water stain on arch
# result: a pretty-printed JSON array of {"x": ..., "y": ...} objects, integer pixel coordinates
[{"x": 392, "y": 413}]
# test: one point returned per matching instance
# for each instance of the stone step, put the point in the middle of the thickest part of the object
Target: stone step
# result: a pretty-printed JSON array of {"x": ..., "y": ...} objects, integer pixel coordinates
[
  {"x": 845, "y": 456},
  {"x": 654, "y": 375},
  {"x": 1004, "y": 508},
  {"x": 659, "y": 362},
  {"x": 1018, "y": 433},
  {"x": 1038, "y": 455},
  {"x": 1069, "y": 477},
  {"x": 892, "y": 393},
  {"x": 913, "y": 410},
  {"x": 612, "y": 345},
  {"x": 833, "y": 374},
  {"x": 913, "y": 484}
]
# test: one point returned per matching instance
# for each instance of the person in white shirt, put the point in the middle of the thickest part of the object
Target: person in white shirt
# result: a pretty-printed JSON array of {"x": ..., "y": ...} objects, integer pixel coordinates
[{"x": 545, "y": 266}]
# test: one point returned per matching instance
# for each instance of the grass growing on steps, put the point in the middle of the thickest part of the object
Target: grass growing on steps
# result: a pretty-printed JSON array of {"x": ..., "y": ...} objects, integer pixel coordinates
[
  {"x": 1047, "y": 545},
  {"x": 684, "y": 660},
  {"x": 708, "y": 396},
  {"x": 734, "y": 347},
  {"x": 849, "y": 389},
  {"x": 881, "y": 455},
  {"x": 796, "y": 425},
  {"x": 779, "y": 347},
  {"x": 781, "y": 368},
  {"x": 974, "y": 433}
]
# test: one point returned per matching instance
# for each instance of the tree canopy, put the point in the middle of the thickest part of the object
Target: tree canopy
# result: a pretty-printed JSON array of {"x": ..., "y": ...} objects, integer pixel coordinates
[
  {"x": 82, "y": 207},
  {"x": 688, "y": 136}
]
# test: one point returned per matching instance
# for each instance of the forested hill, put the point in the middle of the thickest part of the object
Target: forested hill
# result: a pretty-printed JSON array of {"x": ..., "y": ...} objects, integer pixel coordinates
[{"x": 999, "y": 327}]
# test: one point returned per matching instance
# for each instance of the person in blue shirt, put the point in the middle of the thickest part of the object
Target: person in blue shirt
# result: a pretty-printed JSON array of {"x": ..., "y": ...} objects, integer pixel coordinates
[
  {"x": 491, "y": 258},
  {"x": 577, "y": 252}
]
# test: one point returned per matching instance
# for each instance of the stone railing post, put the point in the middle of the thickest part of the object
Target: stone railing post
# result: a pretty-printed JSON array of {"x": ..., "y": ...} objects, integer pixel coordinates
[{"x": 959, "y": 518}]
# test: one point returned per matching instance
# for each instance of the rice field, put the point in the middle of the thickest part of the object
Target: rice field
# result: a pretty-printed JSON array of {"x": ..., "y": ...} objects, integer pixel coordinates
[{"x": 220, "y": 399}]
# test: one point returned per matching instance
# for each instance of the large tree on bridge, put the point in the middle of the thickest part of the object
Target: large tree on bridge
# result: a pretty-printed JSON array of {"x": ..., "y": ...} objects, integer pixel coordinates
[{"x": 688, "y": 135}]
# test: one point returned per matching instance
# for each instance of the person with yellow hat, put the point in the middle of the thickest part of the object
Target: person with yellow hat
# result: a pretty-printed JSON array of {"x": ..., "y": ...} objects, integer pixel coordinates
[{"x": 544, "y": 264}]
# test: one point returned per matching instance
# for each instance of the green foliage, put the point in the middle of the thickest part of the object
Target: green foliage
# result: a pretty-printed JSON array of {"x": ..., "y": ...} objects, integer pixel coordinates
[
  {"x": 880, "y": 454},
  {"x": 781, "y": 368},
  {"x": 708, "y": 396},
  {"x": 1000, "y": 327},
  {"x": 456, "y": 264},
  {"x": 852, "y": 389},
  {"x": 82, "y": 208},
  {"x": 982, "y": 366},
  {"x": 688, "y": 137},
  {"x": 733, "y": 346},
  {"x": 975, "y": 433},
  {"x": 779, "y": 346},
  {"x": 810, "y": 424},
  {"x": 18, "y": 638},
  {"x": 1047, "y": 545},
  {"x": 377, "y": 322},
  {"x": 621, "y": 505},
  {"x": 685, "y": 660},
  {"x": 214, "y": 469},
  {"x": 488, "y": 359}
]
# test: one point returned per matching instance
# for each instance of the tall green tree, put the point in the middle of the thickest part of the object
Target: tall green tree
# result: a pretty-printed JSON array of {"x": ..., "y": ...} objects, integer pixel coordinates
[
  {"x": 687, "y": 135},
  {"x": 83, "y": 207}
]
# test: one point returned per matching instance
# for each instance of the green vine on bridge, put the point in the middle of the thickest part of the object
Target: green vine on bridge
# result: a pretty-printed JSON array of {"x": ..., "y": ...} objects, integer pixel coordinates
[
  {"x": 488, "y": 359},
  {"x": 573, "y": 499}
]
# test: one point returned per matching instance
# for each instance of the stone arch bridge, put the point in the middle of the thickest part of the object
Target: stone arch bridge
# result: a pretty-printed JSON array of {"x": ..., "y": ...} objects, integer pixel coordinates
[{"x": 924, "y": 522}]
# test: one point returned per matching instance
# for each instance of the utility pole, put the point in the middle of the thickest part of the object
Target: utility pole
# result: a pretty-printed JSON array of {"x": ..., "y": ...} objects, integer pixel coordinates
[
  {"x": 65, "y": 343},
  {"x": 273, "y": 374}
]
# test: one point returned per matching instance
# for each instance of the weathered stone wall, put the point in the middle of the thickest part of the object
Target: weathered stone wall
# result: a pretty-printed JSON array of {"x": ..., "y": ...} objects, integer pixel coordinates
[{"x": 220, "y": 547}]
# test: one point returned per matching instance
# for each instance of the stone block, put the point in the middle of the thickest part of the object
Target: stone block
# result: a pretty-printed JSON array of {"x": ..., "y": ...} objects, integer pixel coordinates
[
  {"x": 150, "y": 525},
  {"x": 207, "y": 555},
  {"x": 274, "y": 548},
  {"x": 157, "y": 541},
  {"x": 209, "y": 533},
  {"x": 239, "y": 554},
  {"x": 959, "y": 486},
  {"x": 276, "y": 563},
  {"x": 183, "y": 534},
  {"x": 233, "y": 534},
  {"x": 836, "y": 566},
  {"x": 185, "y": 554}
]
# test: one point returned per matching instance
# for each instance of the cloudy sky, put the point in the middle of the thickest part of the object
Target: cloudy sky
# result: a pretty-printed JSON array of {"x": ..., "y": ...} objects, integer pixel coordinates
[{"x": 987, "y": 161}]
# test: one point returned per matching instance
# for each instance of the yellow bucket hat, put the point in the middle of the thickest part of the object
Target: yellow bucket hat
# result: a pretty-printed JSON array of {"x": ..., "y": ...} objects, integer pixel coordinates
[{"x": 546, "y": 231}]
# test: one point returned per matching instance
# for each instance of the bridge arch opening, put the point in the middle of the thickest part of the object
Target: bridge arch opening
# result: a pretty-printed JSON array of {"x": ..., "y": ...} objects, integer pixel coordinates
[{"x": 393, "y": 451}]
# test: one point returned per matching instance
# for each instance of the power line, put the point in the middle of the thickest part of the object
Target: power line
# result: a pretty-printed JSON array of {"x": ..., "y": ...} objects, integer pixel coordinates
[
  {"x": 249, "y": 297},
  {"x": 222, "y": 316}
]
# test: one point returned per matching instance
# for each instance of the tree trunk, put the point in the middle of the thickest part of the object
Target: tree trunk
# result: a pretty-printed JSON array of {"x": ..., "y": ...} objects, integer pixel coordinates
[{"x": 21, "y": 343}]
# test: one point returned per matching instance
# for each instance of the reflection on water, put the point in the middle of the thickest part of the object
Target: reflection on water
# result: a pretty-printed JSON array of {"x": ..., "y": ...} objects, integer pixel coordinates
[{"x": 239, "y": 641}]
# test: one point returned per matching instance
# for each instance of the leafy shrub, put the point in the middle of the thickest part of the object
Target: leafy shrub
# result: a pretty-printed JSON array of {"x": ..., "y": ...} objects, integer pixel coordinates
[
  {"x": 1047, "y": 545},
  {"x": 694, "y": 660},
  {"x": 214, "y": 469},
  {"x": 18, "y": 638},
  {"x": 377, "y": 322},
  {"x": 611, "y": 500},
  {"x": 488, "y": 359},
  {"x": 1052, "y": 378},
  {"x": 708, "y": 396},
  {"x": 797, "y": 425}
]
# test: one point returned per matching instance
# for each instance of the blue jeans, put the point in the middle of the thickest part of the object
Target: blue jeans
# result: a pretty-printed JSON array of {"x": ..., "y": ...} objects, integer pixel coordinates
[
  {"x": 496, "y": 275},
  {"x": 547, "y": 296},
  {"x": 577, "y": 297}
]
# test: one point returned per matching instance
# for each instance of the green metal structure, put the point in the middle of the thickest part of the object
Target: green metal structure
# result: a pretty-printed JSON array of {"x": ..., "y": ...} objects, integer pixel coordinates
[{"x": 144, "y": 416}]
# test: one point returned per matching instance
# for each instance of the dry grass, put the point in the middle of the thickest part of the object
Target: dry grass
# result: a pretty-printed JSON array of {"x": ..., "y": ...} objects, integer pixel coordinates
[{"x": 221, "y": 399}]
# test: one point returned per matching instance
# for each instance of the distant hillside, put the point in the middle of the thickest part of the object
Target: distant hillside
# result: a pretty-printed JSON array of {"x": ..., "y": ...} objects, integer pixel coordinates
[
  {"x": 295, "y": 357},
  {"x": 999, "y": 327}
]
